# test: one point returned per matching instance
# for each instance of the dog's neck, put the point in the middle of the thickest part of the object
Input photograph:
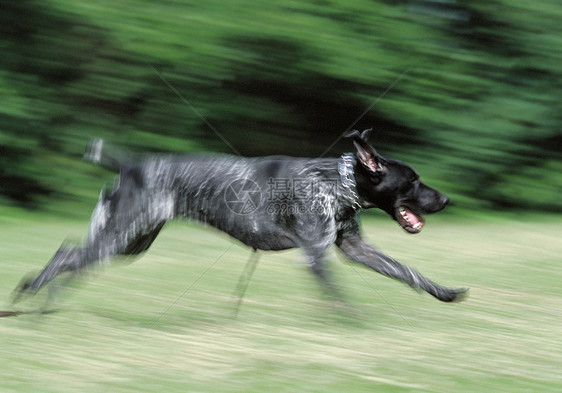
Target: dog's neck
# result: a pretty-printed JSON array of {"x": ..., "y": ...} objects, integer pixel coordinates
[
  {"x": 346, "y": 169},
  {"x": 357, "y": 175}
]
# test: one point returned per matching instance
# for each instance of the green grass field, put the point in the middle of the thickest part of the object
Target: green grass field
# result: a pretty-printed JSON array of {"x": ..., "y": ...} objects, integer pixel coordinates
[{"x": 129, "y": 329}]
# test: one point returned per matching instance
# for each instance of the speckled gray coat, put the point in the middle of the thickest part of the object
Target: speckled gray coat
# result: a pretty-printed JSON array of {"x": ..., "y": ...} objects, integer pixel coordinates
[{"x": 267, "y": 203}]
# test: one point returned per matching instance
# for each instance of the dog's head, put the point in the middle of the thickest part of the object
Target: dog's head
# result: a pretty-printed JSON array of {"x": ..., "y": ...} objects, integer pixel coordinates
[{"x": 393, "y": 186}]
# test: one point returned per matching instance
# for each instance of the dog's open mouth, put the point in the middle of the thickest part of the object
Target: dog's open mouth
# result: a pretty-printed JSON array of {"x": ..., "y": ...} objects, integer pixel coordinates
[{"x": 409, "y": 220}]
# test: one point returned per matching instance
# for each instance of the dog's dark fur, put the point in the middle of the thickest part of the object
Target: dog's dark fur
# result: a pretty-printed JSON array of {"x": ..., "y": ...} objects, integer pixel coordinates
[{"x": 154, "y": 189}]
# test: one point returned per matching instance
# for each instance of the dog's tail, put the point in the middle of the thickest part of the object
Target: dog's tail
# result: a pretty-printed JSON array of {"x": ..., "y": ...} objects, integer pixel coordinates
[{"x": 108, "y": 156}]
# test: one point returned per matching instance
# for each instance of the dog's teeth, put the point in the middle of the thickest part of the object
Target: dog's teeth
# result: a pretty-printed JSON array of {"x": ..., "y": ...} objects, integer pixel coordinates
[{"x": 418, "y": 225}]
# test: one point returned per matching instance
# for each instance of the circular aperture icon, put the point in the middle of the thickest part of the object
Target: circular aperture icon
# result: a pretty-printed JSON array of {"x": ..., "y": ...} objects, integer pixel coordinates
[{"x": 242, "y": 196}]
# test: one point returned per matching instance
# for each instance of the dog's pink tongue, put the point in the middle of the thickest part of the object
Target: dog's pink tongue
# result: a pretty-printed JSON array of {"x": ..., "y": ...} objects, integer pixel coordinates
[{"x": 412, "y": 218}]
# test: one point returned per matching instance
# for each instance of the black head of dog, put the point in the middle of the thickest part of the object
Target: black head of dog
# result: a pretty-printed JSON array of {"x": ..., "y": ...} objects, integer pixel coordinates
[{"x": 393, "y": 186}]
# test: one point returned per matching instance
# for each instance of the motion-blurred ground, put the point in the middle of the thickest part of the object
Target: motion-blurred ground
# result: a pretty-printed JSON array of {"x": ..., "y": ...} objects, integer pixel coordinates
[{"x": 135, "y": 328}]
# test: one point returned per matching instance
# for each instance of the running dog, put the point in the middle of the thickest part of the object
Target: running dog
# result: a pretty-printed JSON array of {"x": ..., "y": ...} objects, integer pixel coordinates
[{"x": 268, "y": 203}]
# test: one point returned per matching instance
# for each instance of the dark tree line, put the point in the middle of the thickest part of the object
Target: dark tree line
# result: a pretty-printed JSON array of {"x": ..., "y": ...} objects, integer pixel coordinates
[{"x": 474, "y": 100}]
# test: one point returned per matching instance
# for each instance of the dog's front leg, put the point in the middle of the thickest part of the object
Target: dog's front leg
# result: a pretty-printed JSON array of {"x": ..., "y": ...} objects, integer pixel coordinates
[
  {"x": 357, "y": 250},
  {"x": 316, "y": 262}
]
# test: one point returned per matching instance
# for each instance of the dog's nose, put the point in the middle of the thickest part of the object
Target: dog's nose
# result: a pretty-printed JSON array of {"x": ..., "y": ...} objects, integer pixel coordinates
[{"x": 444, "y": 200}]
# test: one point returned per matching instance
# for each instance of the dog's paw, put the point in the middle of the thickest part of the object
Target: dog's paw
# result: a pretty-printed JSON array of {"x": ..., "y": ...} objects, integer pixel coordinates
[
  {"x": 456, "y": 295},
  {"x": 25, "y": 287}
]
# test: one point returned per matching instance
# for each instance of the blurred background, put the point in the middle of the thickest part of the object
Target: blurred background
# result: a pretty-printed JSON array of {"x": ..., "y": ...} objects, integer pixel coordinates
[
  {"x": 466, "y": 91},
  {"x": 474, "y": 100}
]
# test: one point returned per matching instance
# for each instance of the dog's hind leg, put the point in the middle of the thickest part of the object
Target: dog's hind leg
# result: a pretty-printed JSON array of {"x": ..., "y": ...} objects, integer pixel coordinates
[
  {"x": 75, "y": 259},
  {"x": 123, "y": 223},
  {"x": 357, "y": 250},
  {"x": 67, "y": 258}
]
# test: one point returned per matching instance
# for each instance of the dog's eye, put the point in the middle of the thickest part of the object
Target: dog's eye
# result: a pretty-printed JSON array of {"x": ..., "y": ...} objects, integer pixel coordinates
[{"x": 412, "y": 176}]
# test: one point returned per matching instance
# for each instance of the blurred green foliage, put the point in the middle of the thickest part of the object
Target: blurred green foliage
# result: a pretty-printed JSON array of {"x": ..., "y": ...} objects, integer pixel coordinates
[{"x": 478, "y": 113}]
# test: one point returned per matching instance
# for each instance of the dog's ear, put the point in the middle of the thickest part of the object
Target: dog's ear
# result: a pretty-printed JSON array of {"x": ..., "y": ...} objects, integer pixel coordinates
[
  {"x": 365, "y": 134},
  {"x": 352, "y": 134},
  {"x": 367, "y": 155},
  {"x": 356, "y": 134}
]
